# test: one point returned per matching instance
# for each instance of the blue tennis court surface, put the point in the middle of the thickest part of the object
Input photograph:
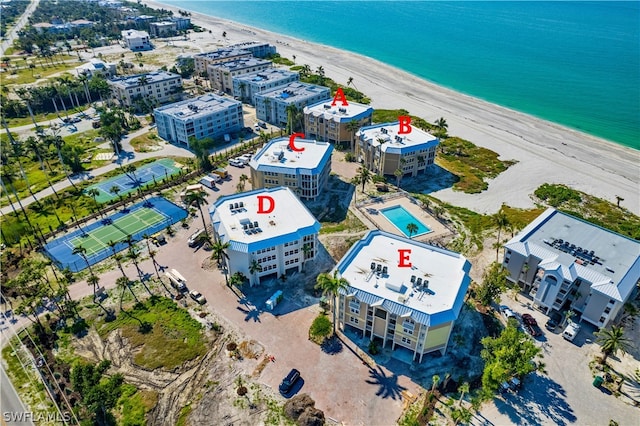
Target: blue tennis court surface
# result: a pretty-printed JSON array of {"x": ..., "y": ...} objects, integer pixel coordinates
[
  {"x": 129, "y": 182},
  {"x": 147, "y": 217}
]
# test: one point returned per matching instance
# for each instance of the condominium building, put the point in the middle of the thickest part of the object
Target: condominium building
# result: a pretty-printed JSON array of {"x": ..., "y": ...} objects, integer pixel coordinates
[
  {"x": 383, "y": 150},
  {"x": 181, "y": 22},
  {"x": 96, "y": 66},
  {"x": 271, "y": 106},
  {"x": 246, "y": 86},
  {"x": 221, "y": 75},
  {"x": 277, "y": 242},
  {"x": 156, "y": 87},
  {"x": 256, "y": 48},
  {"x": 566, "y": 263},
  {"x": 402, "y": 293},
  {"x": 136, "y": 40},
  {"x": 306, "y": 172},
  {"x": 203, "y": 60},
  {"x": 325, "y": 122},
  {"x": 207, "y": 116},
  {"x": 162, "y": 29}
]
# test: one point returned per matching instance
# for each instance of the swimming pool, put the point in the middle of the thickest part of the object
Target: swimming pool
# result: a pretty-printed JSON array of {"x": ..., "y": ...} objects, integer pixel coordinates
[{"x": 400, "y": 218}]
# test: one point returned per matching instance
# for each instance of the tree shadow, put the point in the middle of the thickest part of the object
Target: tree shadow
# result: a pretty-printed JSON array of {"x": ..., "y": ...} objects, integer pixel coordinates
[
  {"x": 388, "y": 385},
  {"x": 540, "y": 400},
  {"x": 332, "y": 345},
  {"x": 250, "y": 314},
  {"x": 435, "y": 179}
]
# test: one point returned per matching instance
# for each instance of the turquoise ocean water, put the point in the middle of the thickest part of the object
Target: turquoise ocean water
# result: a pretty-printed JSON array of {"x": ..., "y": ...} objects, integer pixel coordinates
[{"x": 573, "y": 63}]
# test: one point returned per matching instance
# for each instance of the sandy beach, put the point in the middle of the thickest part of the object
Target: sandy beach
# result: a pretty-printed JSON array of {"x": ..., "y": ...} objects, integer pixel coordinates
[{"x": 545, "y": 152}]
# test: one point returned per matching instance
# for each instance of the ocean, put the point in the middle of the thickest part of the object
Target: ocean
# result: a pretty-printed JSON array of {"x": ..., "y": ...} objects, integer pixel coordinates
[{"x": 572, "y": 63}]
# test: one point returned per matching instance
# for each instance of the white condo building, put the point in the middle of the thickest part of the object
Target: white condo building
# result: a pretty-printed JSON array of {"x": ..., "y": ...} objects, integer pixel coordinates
[
  {"x": 157, "y": 87},
  {"x": 202, "y": 117},
  {"x": 221, "y": 75},
  {"x": 246, "y": 86},
  {"x": 226, "y": 54},
  {"x": 271, "y": 105},
  {"x": 566, "y": 263},
  {"x": 305, "y": 172},
  {"x": 257, "y": 48},
  {"x": 326, "y": 122},
  {"x": 280, "y": 241},
  {"x": 96, "y": 66},
  {"x": 383, "y": 149},
  {"x": 136, "y": 40},
  {"x": 408, "y": 308}
]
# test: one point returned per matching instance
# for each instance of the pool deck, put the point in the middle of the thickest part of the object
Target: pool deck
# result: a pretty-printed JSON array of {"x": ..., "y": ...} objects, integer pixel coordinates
[{"x": 372, "y": 212}]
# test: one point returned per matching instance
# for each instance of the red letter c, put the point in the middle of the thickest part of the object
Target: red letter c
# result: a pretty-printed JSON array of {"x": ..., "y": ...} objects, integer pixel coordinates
[{"x": 291, "y": 141}]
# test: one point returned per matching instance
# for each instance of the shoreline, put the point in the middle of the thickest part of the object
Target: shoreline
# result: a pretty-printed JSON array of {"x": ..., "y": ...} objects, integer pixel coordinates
[{"x": 545, "y": 152}]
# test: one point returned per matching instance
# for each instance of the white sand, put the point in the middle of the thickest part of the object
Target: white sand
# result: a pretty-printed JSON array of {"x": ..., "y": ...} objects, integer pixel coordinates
[{"x": 546, "y": 152}]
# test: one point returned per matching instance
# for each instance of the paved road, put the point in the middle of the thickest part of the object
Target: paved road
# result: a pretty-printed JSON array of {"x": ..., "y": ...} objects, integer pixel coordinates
[
  {"x": 10, "y": 402},
  {"x": 18, "y": 26}
]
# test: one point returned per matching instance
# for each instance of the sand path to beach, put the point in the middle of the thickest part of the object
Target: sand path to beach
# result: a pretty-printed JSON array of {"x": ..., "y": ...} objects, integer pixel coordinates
[{"x": 545, "y": 152}]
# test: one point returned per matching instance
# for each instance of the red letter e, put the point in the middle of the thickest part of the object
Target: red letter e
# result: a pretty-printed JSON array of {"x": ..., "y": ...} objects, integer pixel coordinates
[
  {"x": 404, "y": 256},
  {"x": 339, "y": 96},
  {"x": 272, "y": 204},
  {"x": 405, "y": 124}
]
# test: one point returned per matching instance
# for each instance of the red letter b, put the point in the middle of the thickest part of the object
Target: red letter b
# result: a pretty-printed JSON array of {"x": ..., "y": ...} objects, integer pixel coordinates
[{"x": 405, "y": 126}]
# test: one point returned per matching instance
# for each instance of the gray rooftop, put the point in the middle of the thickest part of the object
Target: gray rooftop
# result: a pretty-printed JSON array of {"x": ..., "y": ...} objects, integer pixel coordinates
[
  {"x": 242, "y": 63},
  {"x": 152, "y": 77},
  {"x": 294, "y": 92},
  {"x": 198, "y": 107},
  {"x": 226, "y": 52},
  {"x": 610, "y": 261},
  {"x": 269, "y": 74}
]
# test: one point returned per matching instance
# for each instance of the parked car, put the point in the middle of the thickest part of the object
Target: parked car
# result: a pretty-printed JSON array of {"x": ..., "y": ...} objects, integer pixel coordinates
[
  {"x": 262, "y": 124},
  {"x": 194, "y": 238},
  {"x": 554, "y": 320},
  {"x": 507, "y": 313},
  {"x": 531, "y": 325},
  {"x": 288, "y": 382},
  {"x": 244, "y": 159},
  {"x": 571, "y": 331},
  {"x": 177, "y": 281},
  {"x": 198, "y": 297},
  {"x": 236, "y": 163}
]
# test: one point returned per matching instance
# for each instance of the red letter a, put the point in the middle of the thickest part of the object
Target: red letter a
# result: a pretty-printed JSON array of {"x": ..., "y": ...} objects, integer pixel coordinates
[
  {"x": 339, "y": 96},
  {"x": 272, "y": 204},
  {"x": 405, "y": 126}
]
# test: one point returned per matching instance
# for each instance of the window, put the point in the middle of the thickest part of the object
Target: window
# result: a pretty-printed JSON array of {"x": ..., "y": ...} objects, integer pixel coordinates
[
  {"x": 607, "y": 310},
  {"x": 354, "y": 306},
  {"x": 381, "y": 314},
  {"x": 354, "y": 320},
  {"x": 406, "y": 340},
  {"x": 408, "y": 326}
]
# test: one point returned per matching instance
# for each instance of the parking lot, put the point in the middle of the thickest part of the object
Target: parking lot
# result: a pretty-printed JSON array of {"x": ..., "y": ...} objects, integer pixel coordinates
[{"x": 565, "y": 395}]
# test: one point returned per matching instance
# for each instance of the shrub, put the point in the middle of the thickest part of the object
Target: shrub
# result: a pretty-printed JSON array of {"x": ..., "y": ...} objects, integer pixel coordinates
[{"x": 321, "y": 327}]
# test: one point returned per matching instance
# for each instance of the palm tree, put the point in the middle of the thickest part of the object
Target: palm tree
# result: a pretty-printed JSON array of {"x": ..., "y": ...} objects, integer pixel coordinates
[
  {"x": 352, "y": 127},
  {"x": 435, "y": 379},
  {"x": 398, "y": 175},
  {"x": 123, "y": 283},
  {"x": 364, "y": 176},
  {"x": 152, "y": 254},
  {"x": 254, "y": 268},
  {"x": 58, "y": 142},
  {"x": 242, "y": 180},
  {"x": 291, "y": 111},
  {"x": 412, "y": 228},
  {"x": 501, "y": 220},
  {"x": 441, "y": 125},
  {"x": 380, "y": 143},
  {"x": 612, "y": 341},
  {"x": 198, "y": 197},
  {"x": 331, "y": 286},
  {"x": 93, "y": 193},
  {"x": 242, "y": 86},
  {"x": 464, "y": 388},
  {"x": 219, "y": 251},
  {"x": 320, "y": 71},
  {"x": 82, "y": 252},
  {"x": 115, "y": 190},
  {"x": 307, "y": 249}
]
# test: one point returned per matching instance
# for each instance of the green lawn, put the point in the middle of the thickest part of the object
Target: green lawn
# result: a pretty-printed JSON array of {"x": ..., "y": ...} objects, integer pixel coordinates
[
  {"x": 26, "y": 76},
  {"x": 175, "y": 337},
  {"x": 24, "y": 121}
]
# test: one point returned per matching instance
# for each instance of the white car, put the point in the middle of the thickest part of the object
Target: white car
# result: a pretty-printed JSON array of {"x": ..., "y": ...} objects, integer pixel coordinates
[
  {"x": 508, "y": 313},
  {"x": 236, "y": 163},
  {"x": 198, "y": 297},
  {"x": 244, "y": 159}
]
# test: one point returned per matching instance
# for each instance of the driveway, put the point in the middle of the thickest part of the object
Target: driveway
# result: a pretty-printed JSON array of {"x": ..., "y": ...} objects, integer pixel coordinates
[{"x": 565, "y": 395}]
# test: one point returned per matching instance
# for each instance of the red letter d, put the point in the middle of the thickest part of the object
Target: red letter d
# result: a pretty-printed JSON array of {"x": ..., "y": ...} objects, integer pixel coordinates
[{"x": 272, "y": 204}]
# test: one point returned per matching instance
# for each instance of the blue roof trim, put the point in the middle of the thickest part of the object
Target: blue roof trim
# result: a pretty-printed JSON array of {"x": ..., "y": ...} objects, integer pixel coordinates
[{"x": 290, "y": 170}]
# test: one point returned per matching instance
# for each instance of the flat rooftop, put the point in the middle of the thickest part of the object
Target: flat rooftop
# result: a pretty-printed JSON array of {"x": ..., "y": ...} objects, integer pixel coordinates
[
  {"x": 152, "y": 77},
  {"x": 278, "y": 157},
  {"x": 353, "y": 111},
  {"x": 371, "y": 268},
  {"x": 242, "y": 63},
  {"x": 396, "y": 143},
  {"x": 295, "y": 92},
  {"x": 133, "y": 33},
  {"x": 226, "y": 52},
  {"x": 269, "y": 74},
  {"x": 237, "y": 220},
  {"x": 596, "y": 254},
  {"x": 198, "y": 107}
]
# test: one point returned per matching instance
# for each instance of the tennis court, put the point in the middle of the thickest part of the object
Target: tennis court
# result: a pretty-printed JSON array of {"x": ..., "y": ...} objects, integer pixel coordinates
[
  {"x": 127, "y": 183},
  {"x": 147, "y": 217}
]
